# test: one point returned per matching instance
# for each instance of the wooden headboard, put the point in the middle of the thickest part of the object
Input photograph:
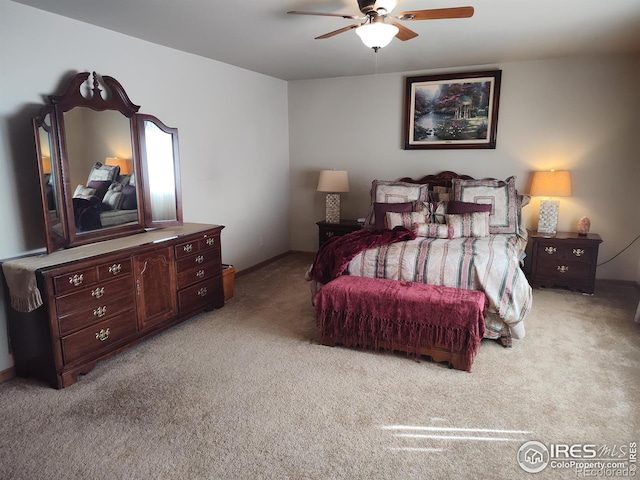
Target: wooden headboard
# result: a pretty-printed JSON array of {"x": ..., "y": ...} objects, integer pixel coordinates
[{"x": 442, "y": 179}]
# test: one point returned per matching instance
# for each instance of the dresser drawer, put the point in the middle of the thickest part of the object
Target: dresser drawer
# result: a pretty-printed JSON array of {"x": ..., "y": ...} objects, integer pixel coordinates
[
  {"x": 118, "y": 268},
  {"x": 80, "y": 309},
  {"x": 75, "y": 280},
  {"x": 200, "y": 294},
  {"x": 197, "y": 244},
  {"x": 198, "y": 260},
  {"x": 197, "y": 274},
  {"x": 559, "y": 269},
  {"x": 549, "y": 250},
  {"x": 98, "y": 338}
]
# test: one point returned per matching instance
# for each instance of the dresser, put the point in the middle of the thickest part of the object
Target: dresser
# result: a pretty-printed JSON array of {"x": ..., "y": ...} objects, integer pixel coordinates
[
  {"x": 102, "y": 298},
  {"x": 565, "y": 260}
]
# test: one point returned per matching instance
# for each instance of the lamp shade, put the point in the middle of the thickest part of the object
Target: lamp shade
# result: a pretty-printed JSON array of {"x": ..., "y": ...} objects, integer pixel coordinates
[
  {"x": 377, "y": 34},
  {"x": 333, "y": 181},
  {"x": 553, "y": 183},
  {"x": 124, "y": 164}
]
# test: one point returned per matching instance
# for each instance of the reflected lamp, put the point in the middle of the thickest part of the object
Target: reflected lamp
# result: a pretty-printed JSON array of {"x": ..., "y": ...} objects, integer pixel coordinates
[{"x": 126, "y": 165}]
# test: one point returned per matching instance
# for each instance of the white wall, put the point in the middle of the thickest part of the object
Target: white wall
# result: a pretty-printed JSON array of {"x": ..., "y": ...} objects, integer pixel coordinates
[
  {"x": 232, "y": 125},
  {"x": 578, "y": 114}
]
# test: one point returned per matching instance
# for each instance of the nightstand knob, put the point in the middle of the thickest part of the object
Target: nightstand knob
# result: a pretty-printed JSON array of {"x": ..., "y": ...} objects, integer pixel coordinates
[
  {"x": 330, "y": 234},
  {"x": 563, "y": 268},
  {"x": 578, "y": 252},
  {"x": 550, "y": 250}
]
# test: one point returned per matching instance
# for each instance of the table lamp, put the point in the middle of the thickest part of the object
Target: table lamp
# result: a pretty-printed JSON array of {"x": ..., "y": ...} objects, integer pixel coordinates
[
  {"x": 333, "y": 182},
  {"x": 126, "y": 165},
  {"x": 553, "y": 183}
]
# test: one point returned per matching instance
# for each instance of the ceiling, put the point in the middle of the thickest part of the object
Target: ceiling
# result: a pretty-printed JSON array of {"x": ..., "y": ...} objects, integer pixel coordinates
[{"x": 258, "y": 34}]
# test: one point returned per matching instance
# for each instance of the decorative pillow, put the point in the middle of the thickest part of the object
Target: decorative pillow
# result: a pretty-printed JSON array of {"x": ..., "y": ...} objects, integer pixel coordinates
[
  {"x": 129, "y": 198},
  {"x": 114, "y": 199},
  {"x": 454, "y": 206},
  {"x": 431, "y": 230},
  {"x": 500, "y": 194},
  {"x": 104, "y": 172},
  {"x": 381, "y": 209},
  {"x": 434, "y": 211},
  {"x": 84, "y": 192},
  {"x": 405, "y": 220},
  {"x": 468, "y": 225},
  {"x": 101, "y": 187},
  {"x": 383, "y": 191}
]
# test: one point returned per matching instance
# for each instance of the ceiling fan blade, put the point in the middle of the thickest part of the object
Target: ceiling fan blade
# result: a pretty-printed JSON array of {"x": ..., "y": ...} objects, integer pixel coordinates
[
  {"x": 336, "y": 32},
  {"x": 404, "y": 33},
  {"x": 437, "y": 14},
  {"x": 293, "y": 12}
]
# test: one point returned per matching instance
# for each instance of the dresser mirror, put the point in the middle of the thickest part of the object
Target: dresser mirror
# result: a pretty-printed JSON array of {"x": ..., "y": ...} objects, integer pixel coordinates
[{"x": 105, "y": 170}]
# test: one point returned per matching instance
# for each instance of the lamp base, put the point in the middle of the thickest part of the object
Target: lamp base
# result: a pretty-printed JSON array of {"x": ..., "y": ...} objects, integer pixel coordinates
[
  {"x": 332, "y": 214},
  {"x": 548, "y": 217}
]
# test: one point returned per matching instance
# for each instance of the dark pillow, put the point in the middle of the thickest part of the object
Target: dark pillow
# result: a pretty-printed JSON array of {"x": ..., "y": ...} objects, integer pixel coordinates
[
  {"x": 130, "y": 201},
  {"x": 101, "y": 187},
  {"x": 456, "y": 207},
  {"x": 380, "y": 211}
]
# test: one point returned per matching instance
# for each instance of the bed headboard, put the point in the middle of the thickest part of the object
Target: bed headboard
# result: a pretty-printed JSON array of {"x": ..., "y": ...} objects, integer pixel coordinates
[{"x": 442, "y": 179}]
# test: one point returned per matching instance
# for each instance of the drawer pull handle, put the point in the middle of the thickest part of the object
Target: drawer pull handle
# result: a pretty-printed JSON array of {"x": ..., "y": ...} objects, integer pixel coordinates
[
  {"x": 103, "y": 334},
  {"x": 210, "y": 241},
  {"x": 330, "y": 234},
  {"x": 100, "y": 312},
  {"x": 199, "y": 259},
  {"x": 115, "y": 268},
  {"x": 187, "y": 248},
  {"x": 200, "y": 273},
  {"x": 550, "y": 250},
  {"x": 202, "y": 292},
  {"x": 563, "y": 268},
  {"x": 76, "y": 279},
  {"x": 98, "y": 292},
  {"x": 578, "y": 252}
]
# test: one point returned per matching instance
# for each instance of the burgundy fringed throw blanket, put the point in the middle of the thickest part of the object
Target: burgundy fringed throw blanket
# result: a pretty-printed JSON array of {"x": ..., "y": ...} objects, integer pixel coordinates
[
  {"x": 361, "y": 312},
  {"x": 335, "y": 254}
]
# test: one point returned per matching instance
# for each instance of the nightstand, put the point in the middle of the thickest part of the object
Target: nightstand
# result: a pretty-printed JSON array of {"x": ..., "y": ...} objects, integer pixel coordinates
[
  {"x": 565, "y": 260},
  {"x": 329, "y": 230}
]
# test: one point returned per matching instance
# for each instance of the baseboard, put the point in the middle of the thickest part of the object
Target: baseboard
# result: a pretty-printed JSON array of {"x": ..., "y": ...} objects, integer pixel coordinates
[
  {"x": 260, "y": 265},
  {"x": 620, "y": 283},
  {"x": 7, "y": 374}
]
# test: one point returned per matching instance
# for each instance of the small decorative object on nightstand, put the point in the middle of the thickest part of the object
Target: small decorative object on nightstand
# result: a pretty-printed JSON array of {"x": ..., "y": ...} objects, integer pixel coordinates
[
  {"x": 566, "y": 260},
  {"x": 327, "y": 230},
  {"x": 584, "y": 225}
]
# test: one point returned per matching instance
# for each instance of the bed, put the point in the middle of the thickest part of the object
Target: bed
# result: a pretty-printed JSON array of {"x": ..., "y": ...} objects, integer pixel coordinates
[{"x": 465, "y": 233}]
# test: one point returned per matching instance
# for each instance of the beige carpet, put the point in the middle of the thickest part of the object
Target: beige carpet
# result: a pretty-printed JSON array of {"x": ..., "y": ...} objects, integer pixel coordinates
[{"x": 246, "y": 392}]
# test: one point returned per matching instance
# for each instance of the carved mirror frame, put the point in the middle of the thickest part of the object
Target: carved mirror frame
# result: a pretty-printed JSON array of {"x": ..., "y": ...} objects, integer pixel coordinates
[{"x": 60, "y": 224}]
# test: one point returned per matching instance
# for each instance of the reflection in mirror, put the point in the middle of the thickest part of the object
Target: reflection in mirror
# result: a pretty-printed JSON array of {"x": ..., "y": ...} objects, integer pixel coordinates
[
  {"x": 100, "y": 168},
  {"x": 49, "y": 171},
  {"x": 48, "y": 180},
  {"x": 160, "y": 172}
]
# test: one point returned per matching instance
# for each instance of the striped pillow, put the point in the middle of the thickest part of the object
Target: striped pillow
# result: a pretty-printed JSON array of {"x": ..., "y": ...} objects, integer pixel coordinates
[
  {"x": 405, "y": 219},
  {"x": 468, "y": 225}
]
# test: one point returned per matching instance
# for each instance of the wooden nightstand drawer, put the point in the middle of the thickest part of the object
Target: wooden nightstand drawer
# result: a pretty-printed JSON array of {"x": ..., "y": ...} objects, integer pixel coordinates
[
  {"x": 566, "y": 260},
  {"x": 327, "y": 231}
]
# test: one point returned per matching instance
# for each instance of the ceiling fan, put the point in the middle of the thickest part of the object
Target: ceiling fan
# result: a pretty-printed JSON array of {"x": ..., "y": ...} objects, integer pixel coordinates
[{"x": 375, "y": 32}]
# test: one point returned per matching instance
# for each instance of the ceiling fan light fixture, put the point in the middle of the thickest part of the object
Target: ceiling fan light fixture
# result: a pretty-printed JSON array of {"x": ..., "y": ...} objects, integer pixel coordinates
[{"x": 377, "y": 34}]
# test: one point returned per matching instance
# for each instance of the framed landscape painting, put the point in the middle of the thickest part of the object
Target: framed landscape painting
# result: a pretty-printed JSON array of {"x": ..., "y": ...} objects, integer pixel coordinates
[{"x": 452, "y": 111}]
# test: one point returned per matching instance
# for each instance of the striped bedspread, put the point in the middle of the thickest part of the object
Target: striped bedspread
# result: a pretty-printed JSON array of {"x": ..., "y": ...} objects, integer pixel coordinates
[{"x": 488, "y": 264}]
